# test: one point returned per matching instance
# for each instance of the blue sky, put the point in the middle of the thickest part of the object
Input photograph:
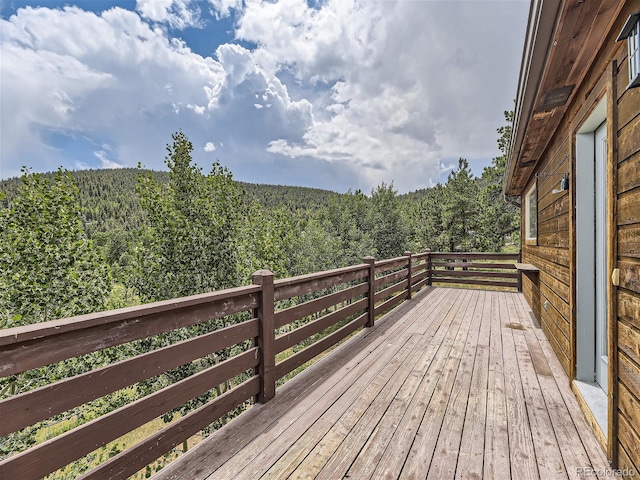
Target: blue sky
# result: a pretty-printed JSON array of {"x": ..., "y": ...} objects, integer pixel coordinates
[{"x": 333, "y": 94}]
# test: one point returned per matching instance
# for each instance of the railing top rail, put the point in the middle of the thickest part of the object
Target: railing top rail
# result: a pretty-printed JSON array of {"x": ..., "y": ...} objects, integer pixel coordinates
[
  {"x": 9, "y": 336},
  {"x": 382, "y": 263},
  {"x": 475, "y": 255},
  {"x": 287, "y": 282}
]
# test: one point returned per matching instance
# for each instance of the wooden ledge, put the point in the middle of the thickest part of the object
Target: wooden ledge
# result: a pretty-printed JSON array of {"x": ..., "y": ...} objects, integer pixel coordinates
[
  {"x": 527, "y": 268},
  {"x": 531, "y": 271}
]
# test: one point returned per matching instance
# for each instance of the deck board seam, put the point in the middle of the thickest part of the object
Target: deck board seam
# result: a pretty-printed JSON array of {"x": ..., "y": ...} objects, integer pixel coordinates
[
  {"x": 479, "y": 379},
  {"x": 473, "y": 335},
  {"x": 452, "y": 384}
]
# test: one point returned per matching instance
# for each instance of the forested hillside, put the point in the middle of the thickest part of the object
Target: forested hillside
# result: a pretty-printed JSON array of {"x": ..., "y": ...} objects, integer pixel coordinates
[{"x": 108, "y": 198}]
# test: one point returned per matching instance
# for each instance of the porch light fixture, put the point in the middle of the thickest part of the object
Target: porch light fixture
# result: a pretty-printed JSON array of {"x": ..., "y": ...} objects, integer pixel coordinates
[
  {"x": 631, "y": 31},
  {"x": 564, "y": 182}
]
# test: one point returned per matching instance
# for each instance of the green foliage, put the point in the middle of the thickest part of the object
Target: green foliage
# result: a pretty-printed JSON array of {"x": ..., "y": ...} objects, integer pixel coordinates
[
  {"x": 425, "y": 219},
  {"x": 387, "y": 225},
  {"x": 202, "y": 234},
  {"x": 499, "y": 220},
  {"x": 192, "y": 241},
  {"x": 445, "y": 218},
  {"x": 338, "y": 235},
  {"x": 267, "y": 240},
  {"x": 48, "y": 269},
  {"x": 316, "y": 249},
  {"x": 293, "y": 200},
  {"x": 460, "y": 210},
  {"x": 466, "y": 213},
  {"x": 108, "y": 198}
]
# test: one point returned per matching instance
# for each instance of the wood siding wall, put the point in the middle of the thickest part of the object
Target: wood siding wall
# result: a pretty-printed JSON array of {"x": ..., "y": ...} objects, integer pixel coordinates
[
  {"x": 554, "y": 253},
  {"x": 627, "y": 179}
]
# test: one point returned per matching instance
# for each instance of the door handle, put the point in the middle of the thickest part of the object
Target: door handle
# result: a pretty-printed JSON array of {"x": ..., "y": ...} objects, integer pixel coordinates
[{"x": 615, "y": 277}]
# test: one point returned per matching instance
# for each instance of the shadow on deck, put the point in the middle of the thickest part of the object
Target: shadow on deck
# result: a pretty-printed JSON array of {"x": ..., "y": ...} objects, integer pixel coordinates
[{"x": 452, "y": 384}]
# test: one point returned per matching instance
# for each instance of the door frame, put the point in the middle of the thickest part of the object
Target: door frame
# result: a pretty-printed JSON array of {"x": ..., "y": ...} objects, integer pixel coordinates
[
  {"x": 585, "y": 360},
  {"x": 597, "y": 402}
]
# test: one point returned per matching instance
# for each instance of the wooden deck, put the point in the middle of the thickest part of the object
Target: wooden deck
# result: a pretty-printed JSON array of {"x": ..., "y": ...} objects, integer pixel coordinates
[{"x": 452, "y": 384}]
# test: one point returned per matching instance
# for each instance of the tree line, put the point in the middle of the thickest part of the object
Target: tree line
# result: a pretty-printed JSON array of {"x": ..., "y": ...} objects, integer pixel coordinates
[{"x": 74, "y": 242}]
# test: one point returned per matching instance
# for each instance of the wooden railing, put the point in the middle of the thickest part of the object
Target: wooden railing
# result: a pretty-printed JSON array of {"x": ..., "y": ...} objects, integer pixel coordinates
[
  {"x": 275, "y": 328},
  {"x": 478, "y": 268}
]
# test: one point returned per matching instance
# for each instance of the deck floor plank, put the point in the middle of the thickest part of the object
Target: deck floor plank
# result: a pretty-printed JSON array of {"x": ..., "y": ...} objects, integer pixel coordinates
[
  {"x": 523, "y": 459},
  {"x": 421, "y": 454},
  {"x": 322, "y": 439},
  {"x": 360, "y": 451},
  {"x": 322, "y": 414},
  {"x": 580, "y": 447},
  {"x": 548, "y": 456},
  {"x": 266, "y": 422},
  {"x": 496, "y": 450},
  {"x": 470, "y": 462},
  {"x": 368, "y": 459},
  {"x": 443, "y": 465},
  {"x": 452, "y": 384},
  {"x": 393, "y": 459}
]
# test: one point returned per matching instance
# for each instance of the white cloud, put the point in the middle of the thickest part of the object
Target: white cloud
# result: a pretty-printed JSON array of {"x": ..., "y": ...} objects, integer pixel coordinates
[
  {"x": 116, "y": 79},
  {"x": 104, "y": 160},
  {"x": 178, "y": 14},
  {"x": 223, "y": 8},
  {"x": 209, "y": 147},
  {"x": 199, "y": 109},
  {"x": 345, "y": 92},
  {"x": 103, "y": 75},
  {"x": 412, "y": 83}
]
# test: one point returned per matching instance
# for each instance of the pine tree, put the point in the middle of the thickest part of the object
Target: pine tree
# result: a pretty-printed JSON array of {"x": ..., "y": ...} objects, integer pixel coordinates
[
  {"x": 460, "y": 209},
  {"x": 499, "y": 219},
  {"x": 387, "y": 225}
]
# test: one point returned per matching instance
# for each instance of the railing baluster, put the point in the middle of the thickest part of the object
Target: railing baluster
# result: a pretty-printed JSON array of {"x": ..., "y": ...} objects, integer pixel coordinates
[
  {"x": 428, "y": 252},
  {"x": 266, "y": 338}
]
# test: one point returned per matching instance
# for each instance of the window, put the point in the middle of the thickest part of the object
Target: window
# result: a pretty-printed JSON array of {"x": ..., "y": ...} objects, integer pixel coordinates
[
  {"x": 631, "y": 31},
  {"x": 531, "y": 215}
]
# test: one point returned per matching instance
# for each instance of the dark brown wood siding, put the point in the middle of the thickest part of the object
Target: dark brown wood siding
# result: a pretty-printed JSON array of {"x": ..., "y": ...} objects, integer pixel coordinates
[
  {"x": 627, "y": 180},
  {"x": 554, "y": 253},
  {"x": 551, "y": 254}
]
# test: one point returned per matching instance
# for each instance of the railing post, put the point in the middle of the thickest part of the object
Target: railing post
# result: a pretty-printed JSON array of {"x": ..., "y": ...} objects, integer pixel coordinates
[
  {"x": 371, "y": 294},
  {"x": 519, "y": 272},
  {"x": 266, "y": 335},
  {"x": 408, "y": 253},
  {"x": 428, "y": 252}
]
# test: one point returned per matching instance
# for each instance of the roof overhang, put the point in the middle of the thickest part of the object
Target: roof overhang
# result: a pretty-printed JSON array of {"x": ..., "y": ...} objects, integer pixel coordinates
[{"x": 562, "y": 40}]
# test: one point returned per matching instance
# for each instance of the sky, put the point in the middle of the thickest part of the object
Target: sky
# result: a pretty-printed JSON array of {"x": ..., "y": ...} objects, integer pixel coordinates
[{"x": 334, "y": 94}]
